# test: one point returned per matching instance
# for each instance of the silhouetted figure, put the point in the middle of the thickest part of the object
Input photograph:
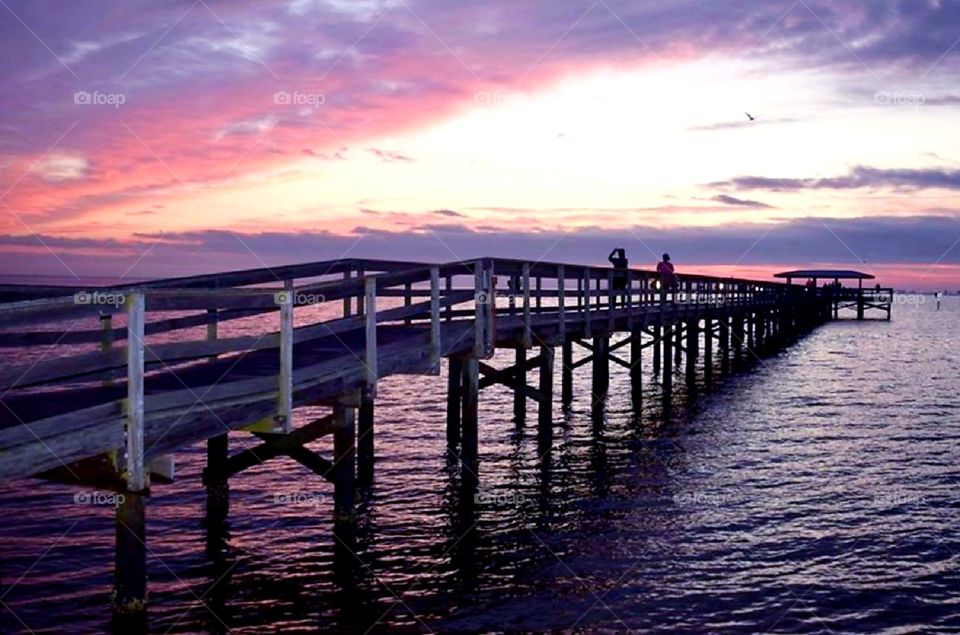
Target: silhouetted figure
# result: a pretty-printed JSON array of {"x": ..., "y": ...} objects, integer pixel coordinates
[
  {"x": 668, "y": 279},
  {"x": 618, "y": 258}
]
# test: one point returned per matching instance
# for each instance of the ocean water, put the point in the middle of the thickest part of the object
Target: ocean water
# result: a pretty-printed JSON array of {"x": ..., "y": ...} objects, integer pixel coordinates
[{"x": 812, "y": 491}]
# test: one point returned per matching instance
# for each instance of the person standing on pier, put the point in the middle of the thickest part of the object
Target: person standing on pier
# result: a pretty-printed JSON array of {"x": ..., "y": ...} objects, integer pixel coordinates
[
  {"x": 618, "y": 258},
  {"x": 668, "y": 279}
]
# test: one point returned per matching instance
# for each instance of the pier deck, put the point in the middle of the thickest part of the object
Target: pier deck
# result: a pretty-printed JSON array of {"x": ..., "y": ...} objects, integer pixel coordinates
[{"x": 118, "y": 379}]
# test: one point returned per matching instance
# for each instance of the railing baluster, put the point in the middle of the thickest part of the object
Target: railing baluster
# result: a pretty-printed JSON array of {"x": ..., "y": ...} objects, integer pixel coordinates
[
  {"x": 561, "y": 303},
  {"x": 527, "y": 330},
  {"x": 134, "y": 460},
  {"x": 586, "y": 302},
  {"x": 370, "y": 321},
  {"x": 285, "y": 398},
  {"x": 435, "y": 320}
]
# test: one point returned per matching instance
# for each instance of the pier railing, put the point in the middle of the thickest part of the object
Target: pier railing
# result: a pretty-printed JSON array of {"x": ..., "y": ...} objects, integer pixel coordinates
[{"x": 111, "y": 339}]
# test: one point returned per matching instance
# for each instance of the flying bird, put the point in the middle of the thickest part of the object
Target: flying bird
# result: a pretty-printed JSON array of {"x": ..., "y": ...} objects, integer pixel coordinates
[{"x": 750, "y": 117}]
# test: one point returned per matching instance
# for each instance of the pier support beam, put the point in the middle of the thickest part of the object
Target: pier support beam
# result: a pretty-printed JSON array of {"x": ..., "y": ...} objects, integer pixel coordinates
[
  {"x": 217, "y": 482},
  {"x": 657, "y": 343},
  {"x": 454, "y": 398},
  {"x": 693, "y": 341},
  {"x": 724, "y": 342},
  {"x": 566, "y": 380},
  {"x": 545, "y": 407},
  {"x": 678, "y": 345},
  {"x": 344, "y": 459},
  {"x": 365, "y": 439},
  {"x": 520, "y": 379},
  {"x": 130, "y": 592},
  {"x": 601, "y": 370},
  {"x": 667, "y": 356},
  {"x": 636, "y": 368},
  {"x": 708, "y": 335},
  {"x": 469, "y": 454}
]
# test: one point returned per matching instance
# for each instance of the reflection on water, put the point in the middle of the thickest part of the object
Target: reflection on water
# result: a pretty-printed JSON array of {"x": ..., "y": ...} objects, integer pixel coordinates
[{"x": 814, "y": 491}]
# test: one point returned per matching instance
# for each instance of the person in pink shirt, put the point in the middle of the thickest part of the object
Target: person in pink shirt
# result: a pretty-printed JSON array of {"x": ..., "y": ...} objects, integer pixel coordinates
[{"x": 668, "y": 279}]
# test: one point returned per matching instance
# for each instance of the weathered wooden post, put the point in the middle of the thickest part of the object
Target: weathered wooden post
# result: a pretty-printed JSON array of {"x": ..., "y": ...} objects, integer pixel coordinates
[
  {"x": 527, "y": 329},
  {"x": 636, "y": 367},
  {"x": 436, "y": 338},
  {"x": 545, "y": 408},
  {"x": 408, "y": 300},
  {"x": 708, "y": 335},
  {"x": 347, "y": 274},
  {"x": 454, "y": 397},
  {"x": 678, "y": 345},
  {"x": 725, "y": 342},
  {"x": 566, "y": 360},
  {"x": 693, "y": 337},
  {"x": 469, "y": 454},
  {"x": 567, "y": 378},
  {"x": 344, "y": 460},
  {"x": 585, "y": 300},
  {"x": 657, "y": 345},
  {"x": 130, "y": 592},
  {"x": 762, "y": 329},
  {"x": 285, "y": 379},
  {"x": 601, "y": 374},
  {"x": 366, "y": 410},
  {"x": 519, "y": 383},
  {"x": 667, "y": 356}
]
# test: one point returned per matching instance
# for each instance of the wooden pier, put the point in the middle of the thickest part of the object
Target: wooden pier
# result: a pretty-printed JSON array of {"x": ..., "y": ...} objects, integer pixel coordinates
[{"x": 121, "y": 378}]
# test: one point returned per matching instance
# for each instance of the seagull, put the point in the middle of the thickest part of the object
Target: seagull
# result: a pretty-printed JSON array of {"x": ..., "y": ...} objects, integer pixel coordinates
[{"x": 750, "y": 117}]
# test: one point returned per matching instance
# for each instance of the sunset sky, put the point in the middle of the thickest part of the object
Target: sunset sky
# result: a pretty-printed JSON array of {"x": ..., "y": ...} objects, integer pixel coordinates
[{"x": 142, "y": 139}]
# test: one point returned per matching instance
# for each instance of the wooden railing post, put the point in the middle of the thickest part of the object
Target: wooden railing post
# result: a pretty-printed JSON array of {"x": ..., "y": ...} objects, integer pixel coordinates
[
  {"x": 346, "y": 300},
  {"x": 449, "y": 287},
  {"x": 561, "y": 303},
  {"x": 480, "y": 299},
  {"x": 370, "y": 321},
  {"x": 586, "y": 303},
  {"x": 285, "y": 398},
  {"x": 527, "y": 329},
  {"x": 435, "y": 320},
  {"x": 134, "y": 461},
  {"x": 485, "y": 303}
]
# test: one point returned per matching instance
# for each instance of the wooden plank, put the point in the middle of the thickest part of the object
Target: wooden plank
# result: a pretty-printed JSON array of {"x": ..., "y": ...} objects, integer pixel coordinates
[{"x": 55, "y": 451}]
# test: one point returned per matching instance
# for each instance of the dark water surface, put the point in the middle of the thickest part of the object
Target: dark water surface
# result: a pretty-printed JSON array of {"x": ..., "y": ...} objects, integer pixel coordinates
[{"x": 813, "y": 491}]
